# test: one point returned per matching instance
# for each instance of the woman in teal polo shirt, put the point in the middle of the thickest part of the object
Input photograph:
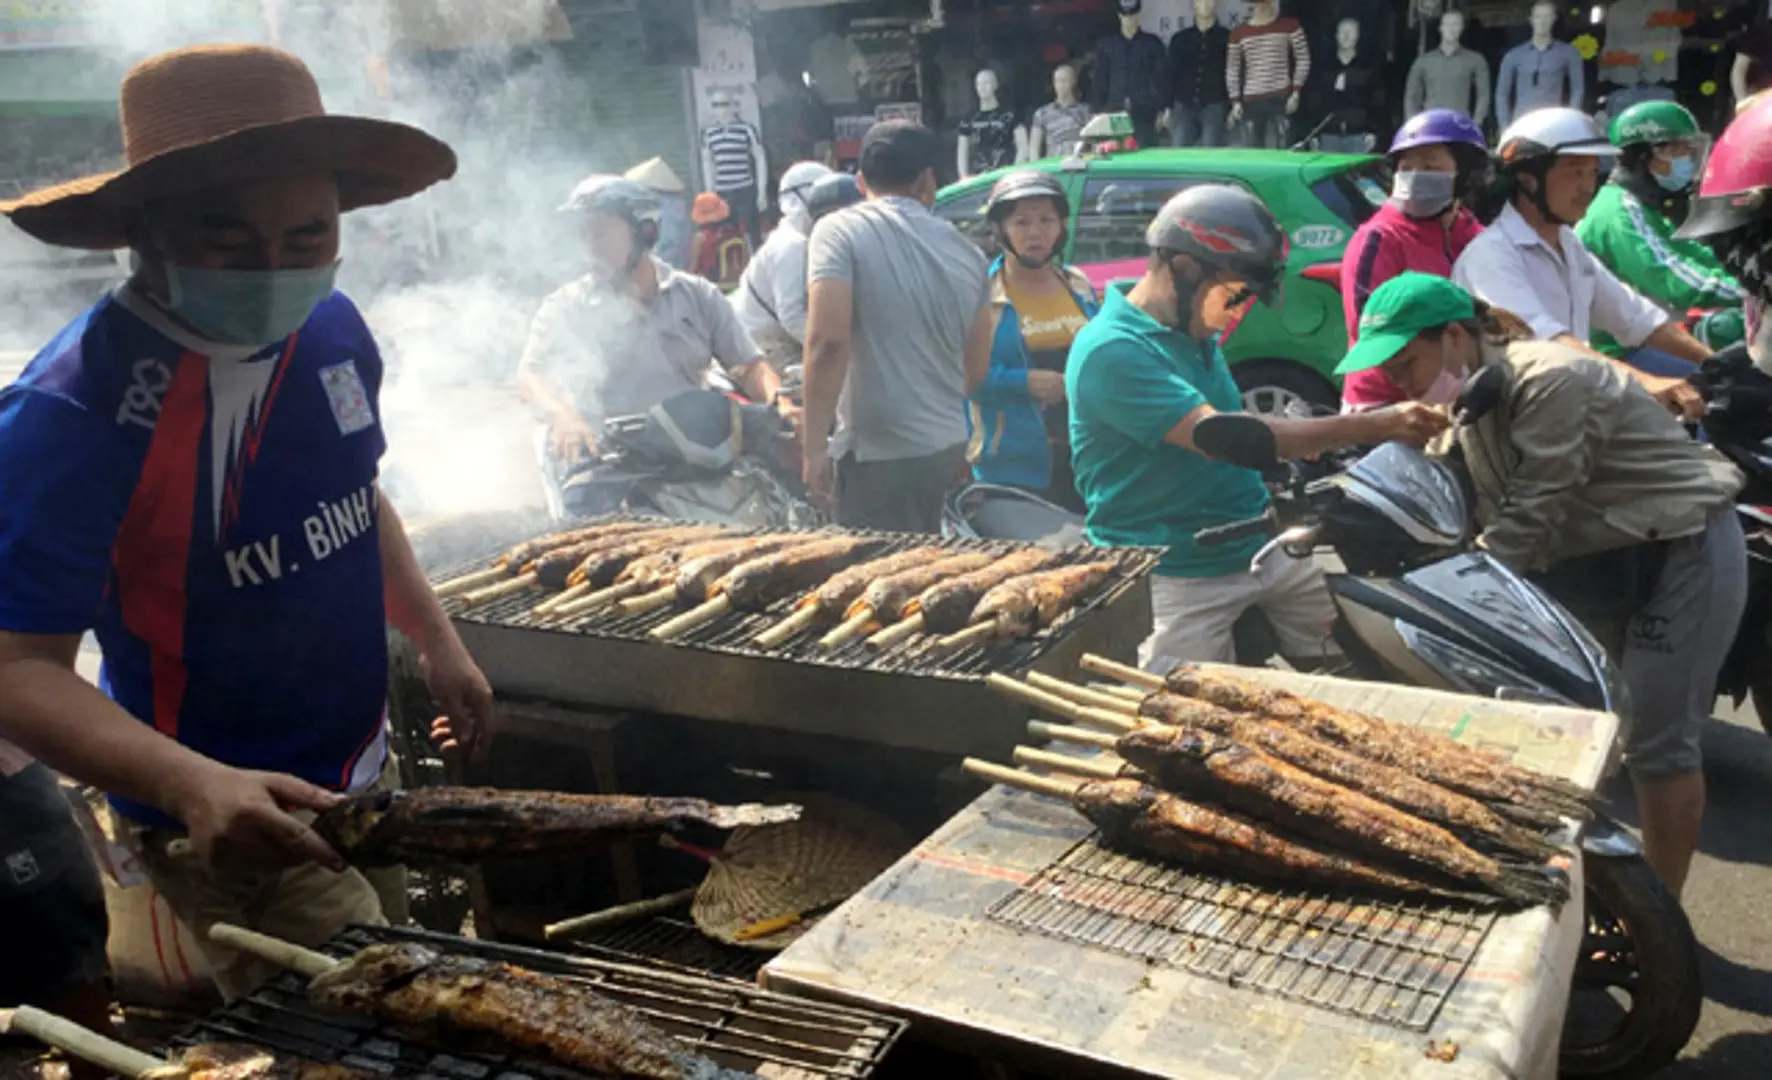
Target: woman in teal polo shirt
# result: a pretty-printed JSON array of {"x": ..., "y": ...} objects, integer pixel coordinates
[{"x": 1143, "y": 373}]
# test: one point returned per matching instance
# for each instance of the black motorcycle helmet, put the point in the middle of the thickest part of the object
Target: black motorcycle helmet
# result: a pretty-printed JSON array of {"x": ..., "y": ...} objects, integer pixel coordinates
[
  {"x": 1018, "y": 186},
  {"x": 1225, "y": 229},
  {"x": 626, "y": 199},
  {"x": 832, "y": 194}
]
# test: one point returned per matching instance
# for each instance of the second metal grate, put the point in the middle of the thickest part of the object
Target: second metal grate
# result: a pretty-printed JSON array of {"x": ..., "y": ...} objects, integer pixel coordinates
[{"x": 1395, "y": 963}]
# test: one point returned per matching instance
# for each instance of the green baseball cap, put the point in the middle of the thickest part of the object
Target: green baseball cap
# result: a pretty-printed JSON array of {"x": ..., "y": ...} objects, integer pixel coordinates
[{"x": 1399, "y": 311}]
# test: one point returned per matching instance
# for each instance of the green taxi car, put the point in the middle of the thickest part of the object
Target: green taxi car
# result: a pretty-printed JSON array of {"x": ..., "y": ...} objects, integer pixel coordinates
[{"x": 1282, "y": 358}]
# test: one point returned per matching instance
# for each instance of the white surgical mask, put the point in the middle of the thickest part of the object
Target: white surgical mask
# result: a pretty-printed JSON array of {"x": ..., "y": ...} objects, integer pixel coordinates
[
  {"x": 1447, "y": 385},
  {"x": 1423, "y": 195}
]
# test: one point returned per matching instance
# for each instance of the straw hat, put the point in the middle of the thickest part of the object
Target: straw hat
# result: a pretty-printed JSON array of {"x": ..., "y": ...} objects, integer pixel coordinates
[
  {"x": 658, "y": 176},
  {"x": 210, "y": 115}
]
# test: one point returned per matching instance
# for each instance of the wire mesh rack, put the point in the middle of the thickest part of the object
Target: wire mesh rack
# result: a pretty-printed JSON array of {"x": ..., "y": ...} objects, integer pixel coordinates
[
  {"x": 733, "y": 1025},
  {"x": 1391, "y": 962},
  {"x": 674, "y": 943}
]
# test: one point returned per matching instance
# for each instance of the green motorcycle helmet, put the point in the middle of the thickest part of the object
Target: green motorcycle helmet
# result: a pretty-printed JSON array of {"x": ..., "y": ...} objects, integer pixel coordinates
[
  {"x": 1652, "y": 123},
  {"x": 1664, "y": 130}
]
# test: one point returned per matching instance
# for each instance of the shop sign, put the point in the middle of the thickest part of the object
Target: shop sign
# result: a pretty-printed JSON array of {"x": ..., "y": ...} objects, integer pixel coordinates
[{"x": 1165, "y": 17}]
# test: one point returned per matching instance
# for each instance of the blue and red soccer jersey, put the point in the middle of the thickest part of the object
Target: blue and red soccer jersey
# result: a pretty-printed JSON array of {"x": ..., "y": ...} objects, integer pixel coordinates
[{"x": 212, "y": 517}]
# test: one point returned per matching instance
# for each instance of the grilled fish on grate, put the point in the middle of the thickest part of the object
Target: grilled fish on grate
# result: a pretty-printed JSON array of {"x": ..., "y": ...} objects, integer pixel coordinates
[
  {"x": 888, "y": 598},
  {"x": 1212, "y": 767},
  {"x": 1423, "y": 753},
  {"x": 448, "y": 825},
  {"x": 240, "y": 1061},
  {"x": 601, "y": 567},
  {"x": 520, "y": 556},
  {"x": 1469, "y": 818},
  {"x": 554, "y": 567},
  {"x": 1020, "y": 606},
  {"x": 480, "y": 1004},
  {"x": 834, "y": 597},
  {"x": 660, "y": 569},
  {"x": 947, "y": 606},
  {"x": 755, "y": 585},
  {"x": 695, "y": 577}
]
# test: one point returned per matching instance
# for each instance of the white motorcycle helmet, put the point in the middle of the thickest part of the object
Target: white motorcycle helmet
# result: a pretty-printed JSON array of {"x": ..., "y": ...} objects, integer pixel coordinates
[
  {"x": 1534, "y": 142},
  {"x": 796, "y": 181}
]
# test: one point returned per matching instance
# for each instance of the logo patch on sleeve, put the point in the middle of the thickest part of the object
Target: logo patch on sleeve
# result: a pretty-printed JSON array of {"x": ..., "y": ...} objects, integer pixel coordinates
[{"x": 350, "y": 401}]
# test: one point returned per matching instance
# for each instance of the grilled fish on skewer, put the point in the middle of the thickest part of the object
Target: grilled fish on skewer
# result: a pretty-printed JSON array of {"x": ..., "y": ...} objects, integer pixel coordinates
[
  {"x": 428, "y": 826},
  {"x": 1138, "y": 817},
  {"x": 690, "y": 582},
  {"x": 528, "y": 551},
  {"x": 1221, "y": 770},
  {"x": 1424, "y": 753},
  {"x": 1022, "y": 605},
  {"x": 481, "y": 1003},
  {"x": 554, "y": 568},
  {"x": 756, "y": 584},
  {"x": 833, "y": 598},
  {"x": 239, "y": 1061},
  {"x": 601, "y": 567},
  {"x": 651, "y": 572},
  {"x": 885, "y": 600},
  {"x": 947, "y": 606}
]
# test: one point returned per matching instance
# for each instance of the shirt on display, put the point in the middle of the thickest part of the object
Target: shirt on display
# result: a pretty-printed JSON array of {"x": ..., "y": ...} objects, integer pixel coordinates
[
  {"x": 1131, "y": 75},
  {"x": 1266, "y": 62},
  {"x": 1197, "y": 61},
  {"x": 1532, "y": 78},
  {"x": 732, "y": 147},
  {"x": 1061, "y": 126},
  {"x": 992, "y": 136}
]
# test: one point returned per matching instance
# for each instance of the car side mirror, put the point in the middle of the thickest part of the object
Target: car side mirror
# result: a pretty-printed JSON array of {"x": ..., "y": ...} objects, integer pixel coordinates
[
  {"x": 1480, "y": 395},
  {"x": 1238, "y": 439}
]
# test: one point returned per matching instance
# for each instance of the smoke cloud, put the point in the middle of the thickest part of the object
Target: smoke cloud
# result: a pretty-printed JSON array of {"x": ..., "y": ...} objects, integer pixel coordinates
[{"x": 448, "y": 281}]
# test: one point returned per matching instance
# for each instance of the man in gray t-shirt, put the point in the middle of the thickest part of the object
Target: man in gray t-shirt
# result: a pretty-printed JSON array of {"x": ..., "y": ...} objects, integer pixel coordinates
[{"x": 897, "y": 335}]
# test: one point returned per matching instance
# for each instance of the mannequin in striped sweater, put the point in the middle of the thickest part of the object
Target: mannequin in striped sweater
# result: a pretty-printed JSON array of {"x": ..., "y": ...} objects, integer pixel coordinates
[{"x": 1265, "y": 72}]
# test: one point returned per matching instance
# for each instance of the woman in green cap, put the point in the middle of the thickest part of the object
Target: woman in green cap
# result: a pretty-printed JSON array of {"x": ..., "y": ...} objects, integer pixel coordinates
[{"x": 1585, "y": 482}]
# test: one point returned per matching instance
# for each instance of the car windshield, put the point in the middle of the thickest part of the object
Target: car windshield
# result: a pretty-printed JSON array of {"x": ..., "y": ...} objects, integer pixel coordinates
[
  {"x": 966, "y": 213},
  {"x": 1355, "y": 194}
]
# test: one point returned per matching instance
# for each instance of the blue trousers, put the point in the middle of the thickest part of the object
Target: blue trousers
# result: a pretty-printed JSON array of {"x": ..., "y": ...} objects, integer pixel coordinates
[{"x": 1656, "y": 362}]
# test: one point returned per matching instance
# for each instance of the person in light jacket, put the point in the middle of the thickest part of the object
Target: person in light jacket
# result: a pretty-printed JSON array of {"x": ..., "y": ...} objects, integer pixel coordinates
[
  {"x": 1018, "y": 421},
  {"x": 1585, "y": 482}
]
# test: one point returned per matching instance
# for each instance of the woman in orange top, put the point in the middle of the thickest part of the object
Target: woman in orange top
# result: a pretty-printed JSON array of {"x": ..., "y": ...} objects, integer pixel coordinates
[{"x": 720, "y": 250}]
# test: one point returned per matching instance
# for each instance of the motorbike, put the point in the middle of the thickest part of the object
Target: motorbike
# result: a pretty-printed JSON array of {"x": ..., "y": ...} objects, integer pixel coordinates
[
  {"x": 1418, "y": 604},
  {"x": 700, "y": 455}
]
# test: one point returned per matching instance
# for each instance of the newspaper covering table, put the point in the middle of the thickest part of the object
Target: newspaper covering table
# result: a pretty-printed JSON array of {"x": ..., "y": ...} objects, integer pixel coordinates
[{"x": 917, "y": 942}]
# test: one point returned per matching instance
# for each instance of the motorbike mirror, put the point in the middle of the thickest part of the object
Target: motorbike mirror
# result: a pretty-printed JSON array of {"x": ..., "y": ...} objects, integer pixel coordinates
[
  {"x": 1238, "y": 439},
  {"x": 1480, "y": 395}
]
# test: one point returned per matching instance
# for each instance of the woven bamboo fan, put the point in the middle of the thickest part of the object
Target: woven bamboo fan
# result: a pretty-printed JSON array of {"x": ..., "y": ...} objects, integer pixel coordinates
[{"x": 769, "y": 884}]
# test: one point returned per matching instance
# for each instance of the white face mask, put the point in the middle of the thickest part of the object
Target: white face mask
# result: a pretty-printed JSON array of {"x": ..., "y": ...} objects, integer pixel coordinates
[
  {"x": 1447, "y": 385},
  {"x": 1423, "y": 195}
]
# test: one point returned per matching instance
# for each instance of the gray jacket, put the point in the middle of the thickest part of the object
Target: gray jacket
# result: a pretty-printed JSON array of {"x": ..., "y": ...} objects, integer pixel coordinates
[{"x": 1578, "y": 459}]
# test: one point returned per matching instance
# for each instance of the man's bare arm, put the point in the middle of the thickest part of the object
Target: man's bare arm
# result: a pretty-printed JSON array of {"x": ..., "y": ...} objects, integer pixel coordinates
[
  {"x": 1411, "y": 422},
  {"x": 978, "y": 349},
  {"x": 1677, "y": 394},
  {"x": 1672, "y": 338},
  {"x": 759, "y": 381},
  {"x": 829, "y": 326}
]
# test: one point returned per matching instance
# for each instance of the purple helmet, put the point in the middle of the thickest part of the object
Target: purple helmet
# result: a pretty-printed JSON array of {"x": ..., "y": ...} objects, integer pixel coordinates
[{"x": 1438, "y": 126}]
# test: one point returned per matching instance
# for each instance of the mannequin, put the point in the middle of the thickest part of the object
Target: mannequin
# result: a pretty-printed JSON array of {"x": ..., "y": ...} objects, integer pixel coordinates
[
  {"x": 1450, "y": 77},
  {"x": 1131, "y": 75},
  {"x": 1266, "y": 69},
  {"x": 734, "y": 164},
  {"x": 1350, "y": 93},
  {"x": 1198, "y": 55},
  {"x": 1058, "y": 124},
  {"x": 1540, "y": 72},
  {"x": 991, "y": 139}
]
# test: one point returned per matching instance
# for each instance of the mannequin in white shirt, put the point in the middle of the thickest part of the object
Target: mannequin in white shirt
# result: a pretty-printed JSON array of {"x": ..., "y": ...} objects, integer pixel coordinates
[{"x": 990, "y": 112}]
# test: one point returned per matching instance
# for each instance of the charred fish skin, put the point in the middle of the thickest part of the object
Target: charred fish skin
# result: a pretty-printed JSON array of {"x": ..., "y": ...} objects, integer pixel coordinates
[
  {"x": 660, "y": 569},
  {"x": 1140, "y": 817},
  {"x": 554, "y": 568},
  {"x": 602, "y": 567},
  {"x": 696, "y": 577},
  {"x": 834, "y": 596},
  {"x": 1450, "y": 764},
  {"x": 1259, "y": 784},
  {"x": 947, "y": 606},
  {"x": 242, "y": 1061},
  {"x": 1023, "y": 605},
  {"x": 889, "y": 597},
  {"x": 452, "y": 826},
  {"x": 520, "y": 556},
  {"x": 756, "y": 585},
  {"x": 1465, "y": 816},
  {"x": 464, "y": 1000}
]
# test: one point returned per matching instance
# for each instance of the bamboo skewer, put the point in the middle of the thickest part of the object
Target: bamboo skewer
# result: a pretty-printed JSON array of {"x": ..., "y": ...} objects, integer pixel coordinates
[
  {"x": 902, "y": 630},
  {"x": 1061, "y": 763},
  {"x": 469, "y": 582},
  {"x": 652, "y": 601},
  {"x": 700, "y": 615},
  {"x": 520, "y": 583},
  {"x": 1116, "y": 720},
  {"x": 1001, "y": 774},
  {"x": 1077, "y": 735},
  {"x": 600, "y": 598},
  {"x": 302, "y": 961},
  {"x": 86, "y": 1044},
  {"x": 615, "y": 916},
  {"x": 852, "y": 627},
  {"x": 1125, "y": 693},
  {"x": 779, "y": 633},
  {"x": 559, "y": 600},
  {"x": 1101, "y": 665},
  {"x": 1083, "y": 695},
  {"x": 976, "y": 634}
]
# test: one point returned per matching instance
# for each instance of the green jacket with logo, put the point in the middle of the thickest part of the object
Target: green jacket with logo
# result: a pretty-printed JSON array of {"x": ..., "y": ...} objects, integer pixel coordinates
[{"x": 1635, "y": 239}]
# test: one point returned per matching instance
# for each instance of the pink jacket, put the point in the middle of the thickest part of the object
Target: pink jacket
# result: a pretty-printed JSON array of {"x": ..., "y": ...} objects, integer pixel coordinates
[{"x": 1387, "y": 245}]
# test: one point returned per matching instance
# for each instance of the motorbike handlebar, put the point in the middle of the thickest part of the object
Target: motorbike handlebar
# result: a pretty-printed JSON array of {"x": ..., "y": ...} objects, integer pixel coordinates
[{"x": 1236, "y": 530}]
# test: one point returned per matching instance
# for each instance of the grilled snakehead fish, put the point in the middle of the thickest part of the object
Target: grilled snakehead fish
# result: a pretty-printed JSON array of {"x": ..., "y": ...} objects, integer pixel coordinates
[
  {"x": 1136, "y": 816},
  {"x": 890, "y": 598},
  {"x": 1424, "y": 753},
  {"x": 241, "y": 1061},
  {"x": 520, "y": 556},
  {"x": 1469, "y": 819},
  {"x": 428, "y": 826},
  {"x": 660, "y": 569},
  {"x": 1223, "y": 771},
  {"x": 1022, "y": 605},
  {"x": 601, "y": 567},
  {"x": 754, "y": 585},
  {"x": 695, "y": 577},
  {"x": 947, "y": 606},
  {"x": 482, "y": 1004},
  {"x": 835, "y": 596},
  {"x": 553, "y": 568}
]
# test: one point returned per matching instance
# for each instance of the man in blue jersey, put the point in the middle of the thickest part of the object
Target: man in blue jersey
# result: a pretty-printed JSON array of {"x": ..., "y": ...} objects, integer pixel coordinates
[{"x": 188, "y": 470}]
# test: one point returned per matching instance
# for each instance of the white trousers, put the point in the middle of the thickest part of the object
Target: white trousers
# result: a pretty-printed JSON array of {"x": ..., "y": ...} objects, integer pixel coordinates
[{"x": 1194, "y": 616}]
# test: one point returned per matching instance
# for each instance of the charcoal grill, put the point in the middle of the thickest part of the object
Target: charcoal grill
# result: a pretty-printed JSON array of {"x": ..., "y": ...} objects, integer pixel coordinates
[
  {"x": 737, "y": 1026},
  {"x": 910, "y": 694},
  {"x": 1392, "y": 962}
]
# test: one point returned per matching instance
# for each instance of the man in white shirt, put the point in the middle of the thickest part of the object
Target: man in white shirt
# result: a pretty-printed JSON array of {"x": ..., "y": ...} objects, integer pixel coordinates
[
  {"x": 1530, "y": 262},
  {"x": 771, "y": 297}
]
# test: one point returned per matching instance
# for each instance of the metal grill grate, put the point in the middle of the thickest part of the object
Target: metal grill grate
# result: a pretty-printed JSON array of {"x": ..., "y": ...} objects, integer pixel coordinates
[
  {"x": 1380, "y": 960},
  {"x": 736, "y": 1026},
  {"x": 676, "y": 944},
  {"x": 733, "y": 632}
]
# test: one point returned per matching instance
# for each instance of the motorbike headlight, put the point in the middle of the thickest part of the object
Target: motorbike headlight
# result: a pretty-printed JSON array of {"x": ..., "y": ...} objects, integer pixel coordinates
[{"x": 1472, "y": 673}]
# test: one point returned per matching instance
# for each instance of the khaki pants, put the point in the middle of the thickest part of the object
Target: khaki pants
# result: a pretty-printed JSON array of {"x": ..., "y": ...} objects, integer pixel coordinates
[
  {"x": 303, "y": 904},
  {"x": 1194, "y": 616}
]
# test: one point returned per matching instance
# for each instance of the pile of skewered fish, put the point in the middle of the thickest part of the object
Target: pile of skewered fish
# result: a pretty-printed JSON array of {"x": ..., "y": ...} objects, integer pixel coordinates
[
  {"x": 845, "y": 587},
  {"x": 1233, "y": 776}
]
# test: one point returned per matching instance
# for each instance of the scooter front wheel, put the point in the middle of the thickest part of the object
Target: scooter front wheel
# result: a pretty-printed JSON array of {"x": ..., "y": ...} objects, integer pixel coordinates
[{"x": 1636, "y": 995}]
